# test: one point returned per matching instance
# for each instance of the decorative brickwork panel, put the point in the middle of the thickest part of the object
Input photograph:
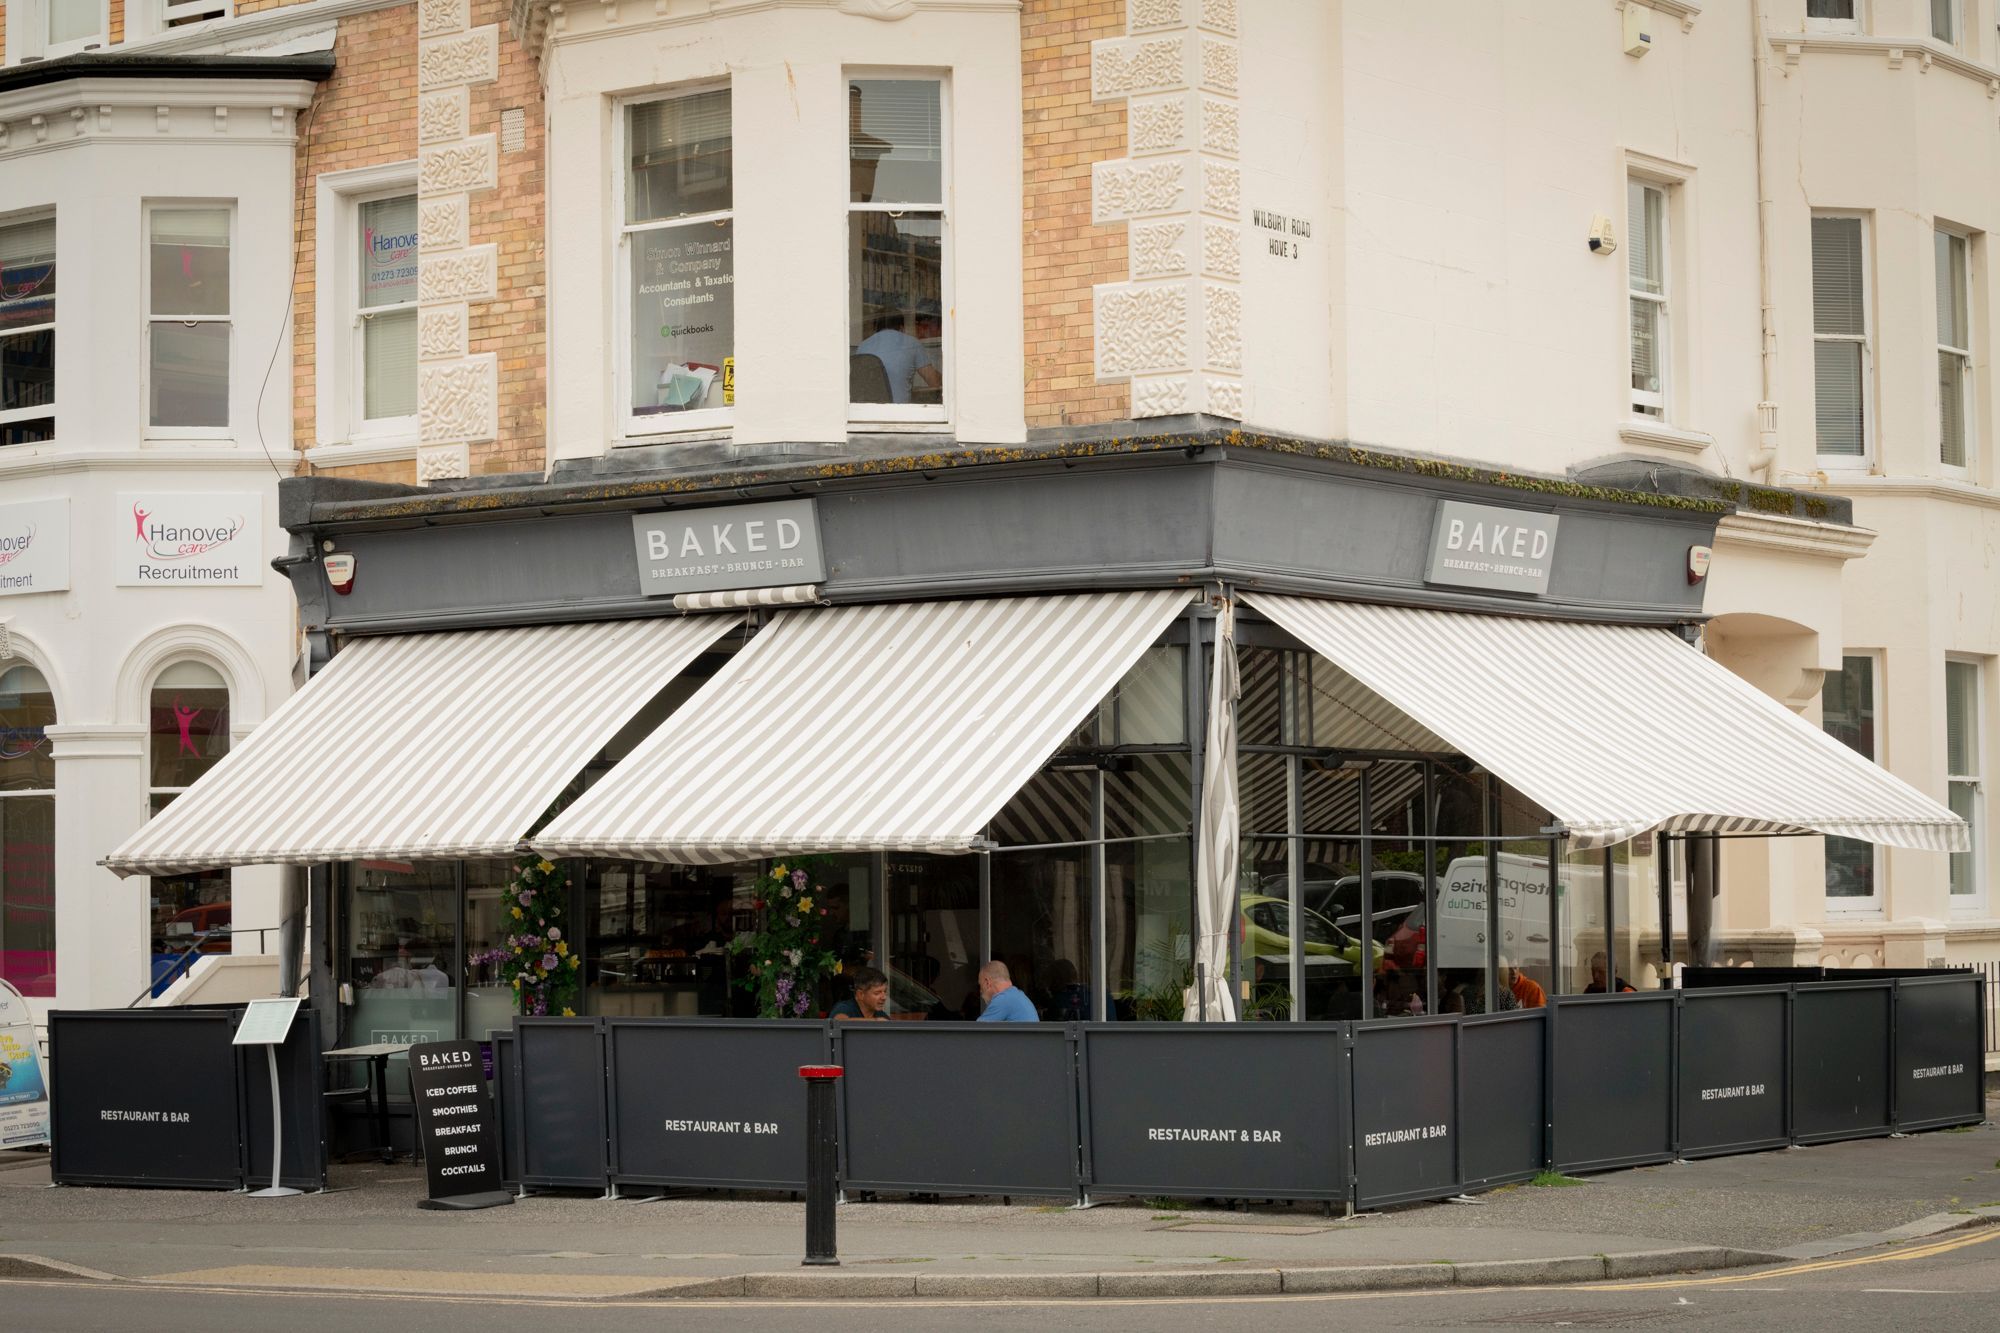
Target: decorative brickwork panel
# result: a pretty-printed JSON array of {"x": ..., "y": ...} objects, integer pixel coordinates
[
  {"x": 458, "y": 400},
  {"x": 1218, "y": 65},
  {"x": 1130, "y": 66},
  {"x": 436, "y": 18},
  {"x": 1158, "y": 250},
  {"x": 466, "y": 275},
  {"x": 1158, "y": 124},
  {"x": 1142, "y": 327},
  {"x": 471, "y": 165},
  {"x": 1221, "y": 250},
  {"x": 441, "y": 332},
  {"x": 1128, "y": 189},
  {"x": 441, "y": 223},
  {"x": 1222, "y": 326},
  {"x": 442, "y": 116},
  {"x": 1160, "y": 396},
  {"x": 1222, "y": 189},
  {"x": 1219, "y": 126},
  {"x": 471, "y": 57},
  {"x": 439, "y": 462}
]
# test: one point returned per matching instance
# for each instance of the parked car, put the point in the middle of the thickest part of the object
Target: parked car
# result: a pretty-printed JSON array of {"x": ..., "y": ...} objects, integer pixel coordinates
[{"x": 1267, "y": 932}]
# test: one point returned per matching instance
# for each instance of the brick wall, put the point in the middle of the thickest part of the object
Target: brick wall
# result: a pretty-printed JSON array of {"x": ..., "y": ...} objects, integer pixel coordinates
[
  {"x": 367, "y": 115},
  {"x": 1062, "y": 253},
  {"x": 512, "y": 217}
]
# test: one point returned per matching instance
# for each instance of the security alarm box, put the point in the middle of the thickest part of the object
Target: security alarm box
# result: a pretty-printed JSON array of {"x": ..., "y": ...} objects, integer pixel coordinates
[{"x": 1638, "y": 29}]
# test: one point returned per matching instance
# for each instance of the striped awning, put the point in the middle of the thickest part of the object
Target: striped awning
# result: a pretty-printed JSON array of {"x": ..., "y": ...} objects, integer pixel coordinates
[
  {"x": 1613, "y": 729},
  {"x": 901, "y": 727},
  {"x": 421, "y": 746}
]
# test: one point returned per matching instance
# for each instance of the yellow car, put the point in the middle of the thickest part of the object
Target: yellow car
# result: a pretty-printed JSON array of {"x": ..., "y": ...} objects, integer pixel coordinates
[{"x": 1267, "y": 932}]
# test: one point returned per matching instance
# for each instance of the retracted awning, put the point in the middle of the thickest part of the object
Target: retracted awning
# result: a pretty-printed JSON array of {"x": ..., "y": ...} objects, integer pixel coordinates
[
  {"x": 1615, "y": 729},
  {"x": 894, "y": 727},
  {"x": 417, "y": 746}
]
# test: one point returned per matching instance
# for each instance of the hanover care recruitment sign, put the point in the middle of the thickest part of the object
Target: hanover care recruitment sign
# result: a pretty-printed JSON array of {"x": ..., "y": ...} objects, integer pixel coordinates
[
  {"x": 24, "y": 1090},
  {"x": 34, "y": 547},
  {"x": 455, "y": 1126},
  {"x": 769, "y": 545},
  {"x": 178, "y": 539}
]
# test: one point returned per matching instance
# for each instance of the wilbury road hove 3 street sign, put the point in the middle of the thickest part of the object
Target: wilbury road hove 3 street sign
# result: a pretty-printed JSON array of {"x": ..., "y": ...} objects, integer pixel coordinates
[
  {"x": 1480, "y": 546},
  {"x": 735, "y": 546}
]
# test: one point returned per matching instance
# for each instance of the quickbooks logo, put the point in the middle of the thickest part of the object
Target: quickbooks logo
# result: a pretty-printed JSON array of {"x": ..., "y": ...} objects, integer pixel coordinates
[{"x": 167, "y": 542}]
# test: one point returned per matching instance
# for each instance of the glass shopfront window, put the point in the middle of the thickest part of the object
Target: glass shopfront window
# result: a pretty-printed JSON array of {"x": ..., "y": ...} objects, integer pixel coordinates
[
  {"x": 897, "y": 298},
  {"x": 402, "y": 952},
  {"x": 27, "y": 832},
  {"x": 657, "y": 937}
]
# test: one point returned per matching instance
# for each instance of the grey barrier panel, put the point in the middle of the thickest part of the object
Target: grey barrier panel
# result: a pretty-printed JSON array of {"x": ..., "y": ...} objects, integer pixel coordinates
[
  {"x": 301, "y": 1102},
  {"x": 145, "y": 1097},
  {"x": 1840, "y": 1061},
  {"x": 506, "y": 1107},
  {"x": 1406, "y": 1111},
  {"x": 1734, "y": 1071},
  {"x": 1940, "y": 1052},
  {"x": 745, "y": 1130},
  {"x": 957, "y": 1108},
  {"x": 562, "y": 1102},
  {"x": 1613, "y": 1084},
  {"x": 1226, "y": 1110},
  {"x": 1503, "y": 1062}
]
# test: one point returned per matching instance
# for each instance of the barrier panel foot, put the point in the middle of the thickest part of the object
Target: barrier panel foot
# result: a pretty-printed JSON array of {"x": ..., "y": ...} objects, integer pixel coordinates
[{"x": 275, "y": 1192}]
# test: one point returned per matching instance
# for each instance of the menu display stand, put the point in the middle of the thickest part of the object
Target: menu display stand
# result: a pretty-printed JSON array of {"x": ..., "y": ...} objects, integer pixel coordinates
[{"x": 266, "y": 1023}]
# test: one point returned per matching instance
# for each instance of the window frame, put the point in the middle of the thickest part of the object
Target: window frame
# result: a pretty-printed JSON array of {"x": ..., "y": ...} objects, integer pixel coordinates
[
  {"x": 148, "y": 211},
  {"x": 51, "y": 793},
  {"x": 1973, "y": 903},
  {"x": 340, "y": 393},
  {"x": 1968, "y": 408},
  {"x": 907, "y": 414},
  {"x": 51, "y": 412},
  {"x": 1955, "y": 11},
  {"x": 1865, "y": 460},
  {"x": 706, "y": 421},
  {"x": 1855, "y": 23},
  {"x": 48, "y": 50},
  {"x": 1872, "y": 905},
  {"x": 1662, "y": 399},
  {"x": 153, "y": 793}
]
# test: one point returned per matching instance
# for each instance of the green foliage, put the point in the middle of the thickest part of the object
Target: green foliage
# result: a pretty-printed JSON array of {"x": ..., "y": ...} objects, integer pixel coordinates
[
  {"x": 790, "y": 952},
  {"x": 1555, "y": 1180},
  {"x": 537, "y": 961}
]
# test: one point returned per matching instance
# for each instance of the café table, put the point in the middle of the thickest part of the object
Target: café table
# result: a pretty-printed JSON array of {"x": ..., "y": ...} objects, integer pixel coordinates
[{"x": 377, "y": 1088}]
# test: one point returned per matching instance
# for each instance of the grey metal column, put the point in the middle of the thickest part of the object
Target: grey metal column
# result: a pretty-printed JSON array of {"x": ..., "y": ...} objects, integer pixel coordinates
[
  {"x": 1663, "y": 863},
  {"x": 1701, "y": 855},
  {"x": 1099, "y": 953},
  {"x": 1431, "y": 939},
  {"x": 1295, "y": 876},
  {"x": 1492, "y": 892},
  {"x": 985, "y": 906},
  {"x": 1610, "y": 925},
  {"x": 1367, "y": 923},
  {"x": 1556, "y": 979},
  {"x": 293, "y": 897}
]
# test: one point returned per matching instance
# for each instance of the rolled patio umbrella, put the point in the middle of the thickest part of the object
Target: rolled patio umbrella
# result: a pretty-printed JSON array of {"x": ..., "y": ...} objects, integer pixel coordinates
[{"x": 1215, "y": 863}]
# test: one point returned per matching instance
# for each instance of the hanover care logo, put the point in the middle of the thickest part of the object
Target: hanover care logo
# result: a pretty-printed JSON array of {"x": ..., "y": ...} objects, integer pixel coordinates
[
  {"x": 13, "y": 545},
  {"x": 165, "y": 543}
]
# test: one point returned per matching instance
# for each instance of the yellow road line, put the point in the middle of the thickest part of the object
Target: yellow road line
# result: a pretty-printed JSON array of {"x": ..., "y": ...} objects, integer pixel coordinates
[{"x": 1819, "y": 1266}]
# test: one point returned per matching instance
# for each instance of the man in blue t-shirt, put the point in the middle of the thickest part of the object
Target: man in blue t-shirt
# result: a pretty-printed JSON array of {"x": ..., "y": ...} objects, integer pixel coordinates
[{"x": 1004, "y": 1004}]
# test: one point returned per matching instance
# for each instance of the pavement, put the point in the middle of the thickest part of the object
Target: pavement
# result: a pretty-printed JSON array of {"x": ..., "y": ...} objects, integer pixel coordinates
[{"x": 366, "y": 1234}]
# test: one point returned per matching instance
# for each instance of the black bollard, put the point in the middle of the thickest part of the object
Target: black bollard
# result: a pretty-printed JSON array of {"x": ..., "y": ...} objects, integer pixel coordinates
[{"x": 820, "y": 1164}]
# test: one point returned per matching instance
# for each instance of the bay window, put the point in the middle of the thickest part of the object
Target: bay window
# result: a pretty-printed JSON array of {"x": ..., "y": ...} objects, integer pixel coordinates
[
  {"x": 1954, "y": 351},
  {"x": 1647, "y": 274},
  {"x": 896, "y": 249},
  {"x": 189, "y": 332},
  {"x": 27, "y": 331},
  {"x": 678, "y": 238},
  {"x": 1964, "y": 766},
  {"x": 1842, "y": 359}
]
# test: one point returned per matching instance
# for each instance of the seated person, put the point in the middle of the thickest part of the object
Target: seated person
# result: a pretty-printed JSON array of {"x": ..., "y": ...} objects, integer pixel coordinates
[
  {"x": 1004, "y": 1001},
  {"x": 1599, "y": 967},
  {"x": 1525, "y": 991},
  {"x": 871, "y": 997},
  {"x": 904, "y": 359}
]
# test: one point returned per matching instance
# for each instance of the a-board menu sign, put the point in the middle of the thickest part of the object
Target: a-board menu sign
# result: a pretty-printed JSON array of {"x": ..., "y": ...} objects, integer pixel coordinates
[
  {"x": 455, "y": 1129},
  {"x": 24, "y": 1092}
]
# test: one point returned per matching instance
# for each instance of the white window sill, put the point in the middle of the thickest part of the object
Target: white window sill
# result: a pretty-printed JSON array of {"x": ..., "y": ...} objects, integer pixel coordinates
[
  {"x": 1658, "y": 435},
  {"x": 898, "y": 426},
  {"x": 190, "y": 438},
  {"x": 693, "y": 435},
  {"x": 380, "y": 449}
]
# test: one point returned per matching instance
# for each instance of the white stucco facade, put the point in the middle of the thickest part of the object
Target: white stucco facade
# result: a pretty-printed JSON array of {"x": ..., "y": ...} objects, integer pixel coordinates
[{"x": 97, "y": 155}]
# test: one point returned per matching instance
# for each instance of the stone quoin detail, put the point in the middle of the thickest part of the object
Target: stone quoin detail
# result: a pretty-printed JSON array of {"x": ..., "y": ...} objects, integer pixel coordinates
[
  {"x": 441, "y": 333},
  {"x": 470, "y": 275},
  {"x": 444, "y": 115},
  {"x": 1177, "y": 338},
  {"x": 458, "y": 400},
  {"x": 471, "y": 57},
  {"x": 436, "y": 18},
  {"x": 441, "y": 223},
  {"x": 436, "y": 462},
  {"x": 471, "y": 165}
]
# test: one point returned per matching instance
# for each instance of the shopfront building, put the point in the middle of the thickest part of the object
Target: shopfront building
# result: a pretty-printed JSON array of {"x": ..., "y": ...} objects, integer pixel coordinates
[{"x": 986, "y": 713}]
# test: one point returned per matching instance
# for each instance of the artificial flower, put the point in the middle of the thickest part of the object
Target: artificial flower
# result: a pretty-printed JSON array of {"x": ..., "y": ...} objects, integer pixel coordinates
[
  {"x": 778, "y": 871},
  {"x": 545, "y": 866},
  {"x": 550, "y": 962},
  {"x": 568, "y": 1012},
  {"x": 555, "y": 932},
  {"x": 805, "y": 904},
  {"x": 517, "y": 913},
  {"x": 562, "y": 947}
]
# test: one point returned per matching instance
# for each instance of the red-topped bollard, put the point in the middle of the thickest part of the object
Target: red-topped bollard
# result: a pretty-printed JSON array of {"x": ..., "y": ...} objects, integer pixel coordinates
[{"x": 821, "y": 1168}]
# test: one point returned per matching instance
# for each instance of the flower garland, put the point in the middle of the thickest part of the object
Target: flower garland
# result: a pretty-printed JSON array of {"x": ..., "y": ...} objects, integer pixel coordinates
[
  {"x": 537, "y": 961},
  {"x": 789, "y": 950}
]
